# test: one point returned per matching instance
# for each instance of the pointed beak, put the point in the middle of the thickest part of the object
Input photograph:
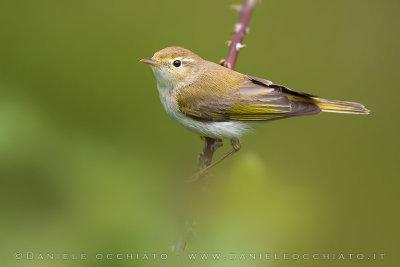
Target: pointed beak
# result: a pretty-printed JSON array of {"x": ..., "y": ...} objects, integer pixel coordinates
[{"x": 150, "y": 61}]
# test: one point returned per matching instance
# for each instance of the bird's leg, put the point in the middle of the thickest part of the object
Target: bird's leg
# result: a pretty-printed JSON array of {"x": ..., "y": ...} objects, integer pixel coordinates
[
  {"x": 210, "y": 146},
  {"x": 235, "y": 148}
]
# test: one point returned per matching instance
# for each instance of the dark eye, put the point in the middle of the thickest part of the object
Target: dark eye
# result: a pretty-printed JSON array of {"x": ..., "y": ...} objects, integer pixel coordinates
[{"x": 177, "y": 63}]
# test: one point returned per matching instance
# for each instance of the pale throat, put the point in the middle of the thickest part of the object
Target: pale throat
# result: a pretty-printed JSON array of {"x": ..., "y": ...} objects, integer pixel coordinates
[
  {"x": 162, "y": 79},
  {"x": 166, "y": 91}
]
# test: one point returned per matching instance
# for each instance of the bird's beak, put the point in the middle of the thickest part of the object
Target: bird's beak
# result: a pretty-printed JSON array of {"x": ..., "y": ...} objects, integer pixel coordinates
[{"x": 150, "y": 61}]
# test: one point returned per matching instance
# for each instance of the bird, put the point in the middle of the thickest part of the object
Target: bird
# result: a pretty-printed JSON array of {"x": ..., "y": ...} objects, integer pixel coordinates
[{"x": 220, "y": 103}]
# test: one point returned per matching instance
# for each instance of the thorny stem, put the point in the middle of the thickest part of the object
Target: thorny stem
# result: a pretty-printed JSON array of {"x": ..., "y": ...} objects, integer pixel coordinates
[{"x": 241, "y": 28}]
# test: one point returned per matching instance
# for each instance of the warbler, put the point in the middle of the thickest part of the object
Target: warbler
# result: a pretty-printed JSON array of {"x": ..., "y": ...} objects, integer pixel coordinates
[{"x": 217, "y": 102}]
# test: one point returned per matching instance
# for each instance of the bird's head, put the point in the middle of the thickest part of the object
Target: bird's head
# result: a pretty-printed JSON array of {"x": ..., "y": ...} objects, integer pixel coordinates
[{"x": 175, "y": 67}]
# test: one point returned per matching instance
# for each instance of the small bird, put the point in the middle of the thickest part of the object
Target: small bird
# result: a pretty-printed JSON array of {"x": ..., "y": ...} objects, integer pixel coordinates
[{"x": 217, "y": 102}]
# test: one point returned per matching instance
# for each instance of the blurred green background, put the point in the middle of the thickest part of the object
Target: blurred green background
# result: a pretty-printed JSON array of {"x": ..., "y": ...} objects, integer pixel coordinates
[{"x": 91, "y": 163}]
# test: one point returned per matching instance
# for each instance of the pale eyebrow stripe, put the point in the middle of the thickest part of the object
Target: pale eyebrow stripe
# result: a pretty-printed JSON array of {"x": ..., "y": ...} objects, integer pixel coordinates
[{"x": 187, "y": 60}]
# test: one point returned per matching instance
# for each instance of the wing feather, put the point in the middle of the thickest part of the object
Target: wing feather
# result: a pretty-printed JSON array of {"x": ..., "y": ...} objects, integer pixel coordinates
[{"x": 241, "y": 98}]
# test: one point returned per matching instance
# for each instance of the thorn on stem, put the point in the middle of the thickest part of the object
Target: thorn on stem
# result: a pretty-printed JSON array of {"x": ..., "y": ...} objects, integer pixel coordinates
[
  {"x": 254, "y": 2},
  {"x": 228, "y": 43},
  {"x": 228, "y": 65},
  {"x": 238, "y": 27},
  {"x": 239, "y": 46},
  {"x": 237, "y": 8}
]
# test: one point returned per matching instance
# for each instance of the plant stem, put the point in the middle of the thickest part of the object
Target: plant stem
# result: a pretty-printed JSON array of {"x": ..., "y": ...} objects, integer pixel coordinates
[
  {"x": 241, "y": 28},
  {"x": 211, "y": 144}
]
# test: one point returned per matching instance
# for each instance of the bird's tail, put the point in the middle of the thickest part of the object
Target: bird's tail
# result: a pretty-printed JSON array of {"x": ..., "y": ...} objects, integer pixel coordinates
[{"x": 339, "y": 106}]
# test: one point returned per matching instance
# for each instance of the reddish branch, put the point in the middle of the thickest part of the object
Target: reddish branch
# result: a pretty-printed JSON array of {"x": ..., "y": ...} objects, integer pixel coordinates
[{"x": 241, "y": 28}]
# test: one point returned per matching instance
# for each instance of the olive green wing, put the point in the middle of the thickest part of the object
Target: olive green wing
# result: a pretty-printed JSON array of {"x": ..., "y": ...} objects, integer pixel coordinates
[{"x": 246, "y": 98}]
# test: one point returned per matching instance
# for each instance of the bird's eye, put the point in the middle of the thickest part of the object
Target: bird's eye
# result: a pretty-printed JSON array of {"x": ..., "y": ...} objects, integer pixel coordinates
[{"x": 177, "y": 63}]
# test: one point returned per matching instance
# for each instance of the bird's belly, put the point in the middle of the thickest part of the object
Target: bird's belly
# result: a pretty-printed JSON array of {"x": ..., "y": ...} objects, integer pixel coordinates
[{"x": 224, "y": 129}]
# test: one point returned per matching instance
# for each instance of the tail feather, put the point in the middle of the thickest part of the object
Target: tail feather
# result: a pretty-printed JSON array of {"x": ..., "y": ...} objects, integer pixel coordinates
[{"x": 340, "y": 106}]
